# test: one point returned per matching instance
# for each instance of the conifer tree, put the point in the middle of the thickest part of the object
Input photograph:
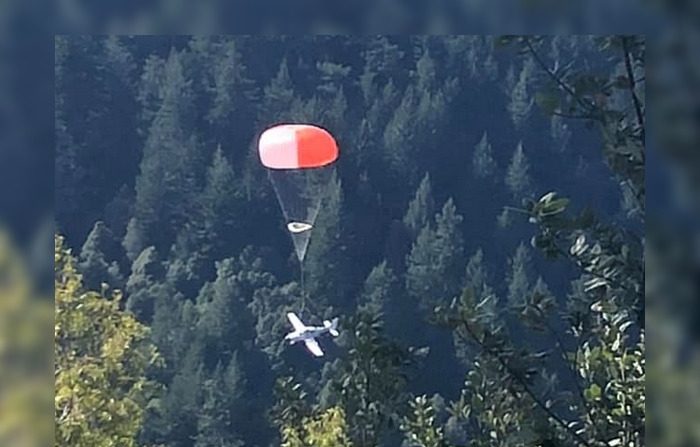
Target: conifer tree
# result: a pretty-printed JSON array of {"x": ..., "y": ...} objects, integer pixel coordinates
[
  {"x": 521, "y": 101},
  {"x": 168, "y": 171},
  {"x": 518, "y": 178},
  {"x": 94, "y": 263},
  {"x": 222, "y": 312},
  {"x": 278, "y": 96},
  {"x": 141, "y": 287},
  {"x": 222, "y": 393},
  {"x": 483, "y": 163},
  {"x": 178, "y": 409},
  {"x": 421, "y": 209},
  {"x": 222, "y": 208},
  {"x": 324, "y": 265},
  {"x": 518, "y": 276},
  {"x": 435, "y": 260}
]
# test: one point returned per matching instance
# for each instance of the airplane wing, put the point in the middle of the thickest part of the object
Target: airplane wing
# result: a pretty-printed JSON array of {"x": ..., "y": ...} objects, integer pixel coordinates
[
  {"x": 313, "y": 347},
  {"x": 296, "y": 322}
]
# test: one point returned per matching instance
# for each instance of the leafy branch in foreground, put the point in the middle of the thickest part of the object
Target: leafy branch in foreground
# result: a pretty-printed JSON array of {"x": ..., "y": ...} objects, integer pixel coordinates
[{"x": 101, "y": 356}]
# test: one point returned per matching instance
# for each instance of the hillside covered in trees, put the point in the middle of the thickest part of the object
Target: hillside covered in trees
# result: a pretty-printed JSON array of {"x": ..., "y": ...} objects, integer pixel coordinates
[{"x": 481, "y": 240}]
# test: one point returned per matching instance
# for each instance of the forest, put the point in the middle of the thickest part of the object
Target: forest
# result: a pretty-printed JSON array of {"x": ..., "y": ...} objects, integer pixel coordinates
[{"x": 481, "y": 240}]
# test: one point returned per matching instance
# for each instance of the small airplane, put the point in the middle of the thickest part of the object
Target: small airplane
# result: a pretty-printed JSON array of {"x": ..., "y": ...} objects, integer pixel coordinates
[{"x": 308, "y": 334}]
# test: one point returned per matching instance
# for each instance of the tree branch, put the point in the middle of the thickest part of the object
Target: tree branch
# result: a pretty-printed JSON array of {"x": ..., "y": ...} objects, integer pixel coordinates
[
  {"x": 521, "y": 381},
  {"x": 632, "y": 85},
  {"x": 571, "y": 368},
  {"x": 589, "y": 106}
]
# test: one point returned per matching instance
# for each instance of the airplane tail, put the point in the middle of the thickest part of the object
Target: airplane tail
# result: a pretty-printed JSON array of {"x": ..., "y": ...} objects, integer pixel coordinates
[{"x": 332, "y": 326}]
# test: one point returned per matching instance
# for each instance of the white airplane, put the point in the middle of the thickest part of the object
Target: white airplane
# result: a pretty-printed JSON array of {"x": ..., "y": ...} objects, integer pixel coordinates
[{"x": 308, "y": 334}]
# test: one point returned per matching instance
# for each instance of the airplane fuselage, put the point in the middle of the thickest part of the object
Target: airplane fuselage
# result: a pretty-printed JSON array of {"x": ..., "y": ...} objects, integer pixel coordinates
[{"x": 309, "y": 332}]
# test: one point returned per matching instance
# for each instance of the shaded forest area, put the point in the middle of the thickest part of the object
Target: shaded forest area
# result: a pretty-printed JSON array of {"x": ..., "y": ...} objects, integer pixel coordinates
[{"x": 481, "y": 239}]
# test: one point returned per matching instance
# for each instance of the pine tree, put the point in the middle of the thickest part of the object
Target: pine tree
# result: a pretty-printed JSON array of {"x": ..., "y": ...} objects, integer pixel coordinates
[
  {"x": 518, "y": 276},
  {"x": 232, "y": 112},
  {"x": 222, "y": 311},
  {"x": 150, "y": 91},
  {"x": 483, "y": 163},
  {"x": 94, "y": 262},
  {"x": 426, "y": 72},
  {"x": 173, "y": 330},
  {"x": 521, "y": 102},
  {"x": 421, "y": 209},
  {"x": 518, "y": 178},
  {"x": 146, "y": 271},
  {"x": 435, "y": 261},
  {"x": 325, "y": 269},
  {"x": 379, "y": 289},
  {"x": 216, "y": 425},
  {"x": 222, "y": 208},
  {"x": 178, "y": 410},
  {"x": 121, "y": 61},
  {"x": 400, "y": 133},
  {"x": 278, "y": 96},
  {"x": 169, "y": 168}
]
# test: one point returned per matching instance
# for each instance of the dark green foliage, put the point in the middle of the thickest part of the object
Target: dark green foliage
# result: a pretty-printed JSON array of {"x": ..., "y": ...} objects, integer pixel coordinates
[
  {"x": 142, "y": 287},
  {"x": 483, "y": 163},
  {"x": 223, "y": 396},
  {"x": 371, "y": 379},
  {"x": 421, "y": 209},
  {"x": 539, "y": 333},
  {"x": 97, "y": 259},
  {"x": 435, "y": 262},
  {"x": 325, "y": 265},
  {"x": 518, "y": 178}
]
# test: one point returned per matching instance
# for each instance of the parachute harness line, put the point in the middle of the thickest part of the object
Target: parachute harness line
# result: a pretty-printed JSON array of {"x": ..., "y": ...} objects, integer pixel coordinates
[{"x": 303, "y": 288}]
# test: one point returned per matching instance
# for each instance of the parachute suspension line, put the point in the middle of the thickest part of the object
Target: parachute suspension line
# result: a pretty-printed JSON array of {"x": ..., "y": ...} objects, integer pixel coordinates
[{"x": 303, "y": 288}]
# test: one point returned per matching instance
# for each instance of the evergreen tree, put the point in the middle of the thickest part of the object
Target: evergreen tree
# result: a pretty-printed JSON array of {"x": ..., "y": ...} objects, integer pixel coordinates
[
  {"x": 421, "y": 209},
  {"x": 518, "y": 178},
  {"x": 521, "y": 102},
  {"x": 173, "y": 330},
  {"x": 216, "y": 424},
  {"x": 518, "y": 277},
  {"x": 483, "y": 163},
  {"x": 120, "y": 61},
  {"x": 222, "y": 313},
  {"x": 143, "y": 285},
  {"x": 278, "y": 96},
  {"x": 324, "y": 265},
  {"x": 379, "y": 289},
  {"x": 426, "y": 72},
  {"x": 435, "y": 260},
  {"x": 399, "y": 135},
  {"x": 168, "y": 172},
  {"x": 179, "y": 408},
  {"x": 222, "y": 208},
  {"x": 232, "y": 112},
  {"x": 150, "y": 91},
  {"x": 94, "y": 262}
]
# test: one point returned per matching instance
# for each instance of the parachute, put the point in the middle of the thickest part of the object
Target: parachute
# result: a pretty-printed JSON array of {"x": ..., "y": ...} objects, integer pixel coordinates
[{"x": 299, "y": 158}]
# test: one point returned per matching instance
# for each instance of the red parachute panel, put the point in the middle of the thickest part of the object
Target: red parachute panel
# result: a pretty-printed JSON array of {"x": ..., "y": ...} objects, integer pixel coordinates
[{"x": 297, "y": 146}]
